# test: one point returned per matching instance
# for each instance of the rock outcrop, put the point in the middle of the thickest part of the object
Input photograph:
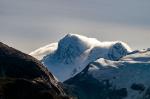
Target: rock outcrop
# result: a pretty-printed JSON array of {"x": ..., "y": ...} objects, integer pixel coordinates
[{"x": 24, "y": 77}]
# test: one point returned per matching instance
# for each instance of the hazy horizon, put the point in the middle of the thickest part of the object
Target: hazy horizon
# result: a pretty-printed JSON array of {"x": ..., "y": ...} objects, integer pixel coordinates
[{"x": 30, "y": 24}]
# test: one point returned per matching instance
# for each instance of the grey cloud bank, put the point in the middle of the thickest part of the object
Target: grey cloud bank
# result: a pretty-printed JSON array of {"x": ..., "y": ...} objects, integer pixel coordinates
[{"x": 30, "y": 24}]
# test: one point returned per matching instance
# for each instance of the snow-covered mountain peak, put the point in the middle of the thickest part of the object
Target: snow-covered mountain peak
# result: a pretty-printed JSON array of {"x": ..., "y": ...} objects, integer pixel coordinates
[
  {"x": 112, "y": 50},
  {"x": 74, "y": 52},
  {"x": 118, "y": 50},
  {"x": 72, "y": 46}
]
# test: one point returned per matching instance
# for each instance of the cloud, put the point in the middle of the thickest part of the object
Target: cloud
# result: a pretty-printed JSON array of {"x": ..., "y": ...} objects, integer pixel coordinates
[{"x": 44, "y": 21}]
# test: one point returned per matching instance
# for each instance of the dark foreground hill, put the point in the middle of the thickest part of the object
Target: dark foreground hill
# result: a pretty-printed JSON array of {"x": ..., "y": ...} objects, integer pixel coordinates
[{"x": 24, "y": 77}]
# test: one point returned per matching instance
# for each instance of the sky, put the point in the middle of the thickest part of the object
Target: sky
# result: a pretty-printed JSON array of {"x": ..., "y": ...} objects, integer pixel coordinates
[{"x": 30, "y": 24}]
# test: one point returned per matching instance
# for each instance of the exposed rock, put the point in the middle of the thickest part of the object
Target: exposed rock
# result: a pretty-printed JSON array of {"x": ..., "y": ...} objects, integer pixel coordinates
[
  {"x": 24, "y": 77},
  {"x": 138, "y": 87}
]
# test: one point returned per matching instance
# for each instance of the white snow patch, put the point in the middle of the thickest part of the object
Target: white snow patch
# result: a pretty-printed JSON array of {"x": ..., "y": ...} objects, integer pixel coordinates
[
  {"x": 41, "y": 52},
  {"x": 122, "y": 74}
]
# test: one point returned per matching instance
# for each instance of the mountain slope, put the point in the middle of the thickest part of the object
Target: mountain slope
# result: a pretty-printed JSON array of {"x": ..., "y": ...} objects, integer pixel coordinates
[
  {"x": 24, "y": 77},
  {"x": 74, "y": 52},
  {"x": 106, "y": 79},
  {"x": 43, "y": 51}
]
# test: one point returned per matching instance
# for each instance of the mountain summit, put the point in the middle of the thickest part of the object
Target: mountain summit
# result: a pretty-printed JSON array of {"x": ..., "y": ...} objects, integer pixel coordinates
[{"x": 74, "y": 52}]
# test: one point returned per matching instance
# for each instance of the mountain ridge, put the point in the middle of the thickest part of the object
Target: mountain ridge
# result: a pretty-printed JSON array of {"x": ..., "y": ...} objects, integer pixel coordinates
[
  {"x": 106, "y": 79},
  {"x": 76, "y": 52},
  {"x": 24, "y": 77}
]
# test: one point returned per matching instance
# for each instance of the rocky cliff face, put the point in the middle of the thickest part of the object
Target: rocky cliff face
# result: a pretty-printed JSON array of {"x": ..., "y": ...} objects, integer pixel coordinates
[{"x": 24, "y": 77}]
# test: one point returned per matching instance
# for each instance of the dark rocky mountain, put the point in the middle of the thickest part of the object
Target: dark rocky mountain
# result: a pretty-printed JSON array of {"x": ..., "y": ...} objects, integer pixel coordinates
[{"x": 24, "y": 77}]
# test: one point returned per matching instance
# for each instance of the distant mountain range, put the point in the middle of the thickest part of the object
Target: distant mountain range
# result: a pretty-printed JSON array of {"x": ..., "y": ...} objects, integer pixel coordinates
[
  {"x": 91, "y": 69},
  {"x": 84, "y": 68}
]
